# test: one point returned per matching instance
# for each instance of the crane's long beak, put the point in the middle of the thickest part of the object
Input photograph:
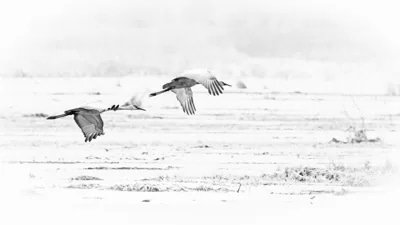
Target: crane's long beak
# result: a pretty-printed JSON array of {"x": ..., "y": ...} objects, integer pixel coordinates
[
  {"x": 228, "y": 85},
  {"x": 130, "y": 107}
]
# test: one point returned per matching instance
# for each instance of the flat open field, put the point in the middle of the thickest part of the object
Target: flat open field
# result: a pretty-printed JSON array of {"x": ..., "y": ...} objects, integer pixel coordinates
[{"x": 246, "y": 156}]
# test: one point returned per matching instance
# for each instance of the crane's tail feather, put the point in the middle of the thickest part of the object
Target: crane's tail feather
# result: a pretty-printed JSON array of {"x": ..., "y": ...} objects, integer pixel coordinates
[
  {"x": 56, "y": 117},
  {"x": 160, "y": 92}
]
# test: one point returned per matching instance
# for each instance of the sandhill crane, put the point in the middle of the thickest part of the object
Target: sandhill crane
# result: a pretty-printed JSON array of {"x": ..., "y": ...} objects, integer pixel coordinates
[
  {"x": 181, "y": 86},
  {"x": 89, "y": 120}
]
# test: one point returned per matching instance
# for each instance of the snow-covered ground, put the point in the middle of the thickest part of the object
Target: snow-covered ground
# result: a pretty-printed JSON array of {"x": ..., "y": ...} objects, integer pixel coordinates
[{"x": 256, "y": 155}]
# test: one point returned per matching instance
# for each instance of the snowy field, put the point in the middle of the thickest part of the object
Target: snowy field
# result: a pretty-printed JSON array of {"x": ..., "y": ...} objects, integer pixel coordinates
[{"x": 252, "y": 155}]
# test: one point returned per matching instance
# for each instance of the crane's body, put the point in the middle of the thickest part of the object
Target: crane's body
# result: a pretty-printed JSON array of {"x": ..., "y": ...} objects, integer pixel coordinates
[{"x": 180, "y": 82}]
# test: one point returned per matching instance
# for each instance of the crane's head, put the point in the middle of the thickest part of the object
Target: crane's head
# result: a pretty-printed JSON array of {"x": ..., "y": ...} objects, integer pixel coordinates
[
  {"x": 135, "y": 107},
  {"x": 133, "y": 104},
  {"x": 128, "y": 106}
]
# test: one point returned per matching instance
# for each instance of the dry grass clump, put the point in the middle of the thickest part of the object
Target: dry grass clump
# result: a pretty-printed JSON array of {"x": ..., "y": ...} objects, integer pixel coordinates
[
  {"x": 135, "y": 187},
  {"x": 84, "y": 186},
  {"x": 127, "y": 168},
  {"x": 356, "y": 136},
  {"x": 36, "y": 115},
  {"x": 85, "y": 178},
  {"x": 332, "y": 174},
  {"x": 393, "y": 89},
  {"x": 344, "y": 176},
  {"x": 204, "y": 188},
  {"x": 240, "y": 85},
  {"x": 169, "y": 188},
  {"x": 335, "y": 173}
]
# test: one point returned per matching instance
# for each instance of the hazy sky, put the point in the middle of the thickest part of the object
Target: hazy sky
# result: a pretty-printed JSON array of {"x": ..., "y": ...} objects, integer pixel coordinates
[{"x": 45, "y": 37}]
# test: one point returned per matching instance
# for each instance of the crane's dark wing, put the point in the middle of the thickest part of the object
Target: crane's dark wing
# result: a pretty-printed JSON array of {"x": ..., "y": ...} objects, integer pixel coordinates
[
  {"x": 185, "y": 97},
  {"x": 208, "y": 81},
  {"x": 91, "y": 125}
]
